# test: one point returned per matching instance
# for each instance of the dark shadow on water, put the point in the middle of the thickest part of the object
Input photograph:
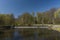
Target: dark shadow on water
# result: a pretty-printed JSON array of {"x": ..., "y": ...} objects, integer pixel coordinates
[{"x": 30, "y": 34}]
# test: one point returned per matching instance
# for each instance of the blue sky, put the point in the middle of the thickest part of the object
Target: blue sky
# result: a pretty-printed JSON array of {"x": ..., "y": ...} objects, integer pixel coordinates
[{"x": 17, "y": 7}]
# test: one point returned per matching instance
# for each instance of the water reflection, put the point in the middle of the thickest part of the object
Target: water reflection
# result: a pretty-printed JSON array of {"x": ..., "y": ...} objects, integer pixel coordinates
[
  {"x": 10, "y": 35},
  {"x": 29, "y": 34},
  {"x": 17, "y": 35}
]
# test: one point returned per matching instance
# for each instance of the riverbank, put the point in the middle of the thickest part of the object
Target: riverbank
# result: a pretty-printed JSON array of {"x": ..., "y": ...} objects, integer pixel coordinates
[{"x": 31, "y": 33}]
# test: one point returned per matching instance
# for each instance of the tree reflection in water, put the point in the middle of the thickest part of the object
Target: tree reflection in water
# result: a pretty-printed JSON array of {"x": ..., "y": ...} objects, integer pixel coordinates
[
  {"x": 17, "y": 35},
  {"x": 43, "y": 34}
]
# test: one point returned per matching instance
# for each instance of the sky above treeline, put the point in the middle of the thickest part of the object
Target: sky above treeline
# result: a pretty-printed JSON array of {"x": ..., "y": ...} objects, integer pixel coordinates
[{"x": 17, "y": 7}]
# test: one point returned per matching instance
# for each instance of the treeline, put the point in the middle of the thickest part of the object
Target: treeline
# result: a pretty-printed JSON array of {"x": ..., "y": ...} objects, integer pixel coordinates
[{"x": 51, "y": 16}]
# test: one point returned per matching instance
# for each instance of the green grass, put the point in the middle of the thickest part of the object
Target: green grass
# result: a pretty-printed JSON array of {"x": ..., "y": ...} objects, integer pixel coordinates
[{"x": 57, "y": 29}]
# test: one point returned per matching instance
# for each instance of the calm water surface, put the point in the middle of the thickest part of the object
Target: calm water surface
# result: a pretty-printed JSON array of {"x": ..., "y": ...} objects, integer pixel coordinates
[{"x": 19, "y": 34}]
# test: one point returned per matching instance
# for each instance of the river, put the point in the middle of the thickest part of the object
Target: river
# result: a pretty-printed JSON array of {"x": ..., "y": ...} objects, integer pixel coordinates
[{"x": 29, "y": 34}]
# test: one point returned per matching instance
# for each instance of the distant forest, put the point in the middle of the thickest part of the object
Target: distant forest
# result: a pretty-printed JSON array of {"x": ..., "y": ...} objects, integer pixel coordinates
[{"x": 51, "y": 16}]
